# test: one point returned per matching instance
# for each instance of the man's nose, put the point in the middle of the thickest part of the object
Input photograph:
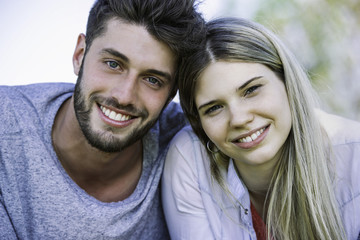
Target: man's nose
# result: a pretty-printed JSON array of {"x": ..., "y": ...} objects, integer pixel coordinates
[{"x": 126, "y": 90}]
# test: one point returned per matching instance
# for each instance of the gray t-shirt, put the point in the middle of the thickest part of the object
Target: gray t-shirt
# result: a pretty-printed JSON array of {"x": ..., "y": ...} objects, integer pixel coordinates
[{"x": 38, "y": 200}]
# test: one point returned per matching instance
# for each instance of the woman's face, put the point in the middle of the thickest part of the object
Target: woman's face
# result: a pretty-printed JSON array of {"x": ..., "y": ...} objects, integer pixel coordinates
[{"x": 244, "y": 110}]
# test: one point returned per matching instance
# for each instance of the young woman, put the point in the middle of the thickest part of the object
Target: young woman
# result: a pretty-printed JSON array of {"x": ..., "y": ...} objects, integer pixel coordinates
[{"x": 260, "y": 162}]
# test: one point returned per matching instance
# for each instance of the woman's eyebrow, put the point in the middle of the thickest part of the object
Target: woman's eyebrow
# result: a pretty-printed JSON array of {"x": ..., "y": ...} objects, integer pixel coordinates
[
  {"x": 248, "y": 82},
  {"x": 205, "y": 104}
]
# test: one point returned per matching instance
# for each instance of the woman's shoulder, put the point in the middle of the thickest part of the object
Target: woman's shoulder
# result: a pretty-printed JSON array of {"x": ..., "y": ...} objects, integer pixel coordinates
[
  {"x": 186, "y": 134},
  {"x": 185, "y": 146},
  {"x": 339, "y": 129},
  {"x": 344, "y": 135},
  {"x": 186, "y": 142},
  {"x": 188, "y": 156}
]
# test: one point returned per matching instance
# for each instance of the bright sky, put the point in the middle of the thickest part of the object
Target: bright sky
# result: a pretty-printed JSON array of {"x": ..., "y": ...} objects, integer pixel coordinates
[{"x": 38, "y": 38}]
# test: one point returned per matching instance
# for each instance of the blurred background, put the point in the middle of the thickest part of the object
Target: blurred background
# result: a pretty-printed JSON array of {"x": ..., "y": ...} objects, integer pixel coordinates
[{"x": 38, "y": 38}]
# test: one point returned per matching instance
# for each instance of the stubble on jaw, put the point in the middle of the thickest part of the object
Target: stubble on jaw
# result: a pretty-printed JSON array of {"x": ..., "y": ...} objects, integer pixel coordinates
[{"x": 106, "y": 141}]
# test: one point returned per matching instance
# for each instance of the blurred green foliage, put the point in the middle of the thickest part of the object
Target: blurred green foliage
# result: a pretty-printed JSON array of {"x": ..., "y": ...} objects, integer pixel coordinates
[{"x": 325, "y": 37}]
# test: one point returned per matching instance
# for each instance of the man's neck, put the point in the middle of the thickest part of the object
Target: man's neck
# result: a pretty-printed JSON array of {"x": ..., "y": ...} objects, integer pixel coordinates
[{"x": 109, "y": 177}]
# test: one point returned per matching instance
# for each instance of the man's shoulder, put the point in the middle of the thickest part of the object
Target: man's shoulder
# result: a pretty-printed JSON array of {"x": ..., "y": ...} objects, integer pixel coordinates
[
  {"x": 172, "y": 117},
  {"x": 171, "y": 121},
  {"x": 39, "y": 89},
  {"x": 173, "y": 108},
  {"x": 26, "y": 101},
  {"x": 35, "y": 90}
]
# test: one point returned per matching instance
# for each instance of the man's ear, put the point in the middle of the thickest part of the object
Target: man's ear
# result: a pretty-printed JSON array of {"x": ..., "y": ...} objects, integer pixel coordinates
[{"x": 79, "y": 53}]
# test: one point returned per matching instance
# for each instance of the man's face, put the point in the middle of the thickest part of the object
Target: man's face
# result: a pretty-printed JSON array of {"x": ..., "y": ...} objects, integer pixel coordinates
[{"x": 123, "y": 85}]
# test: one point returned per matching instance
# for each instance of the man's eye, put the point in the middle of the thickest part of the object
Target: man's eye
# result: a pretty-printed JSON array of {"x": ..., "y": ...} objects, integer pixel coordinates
[
  {"x": 212, "y": 109},
  {"x": 153, "y": 81},
  {"x": 112, "y": 64}
]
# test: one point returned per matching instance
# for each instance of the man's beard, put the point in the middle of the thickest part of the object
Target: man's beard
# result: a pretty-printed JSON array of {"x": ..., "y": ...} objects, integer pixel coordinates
[{"x": 106, "y": 141}]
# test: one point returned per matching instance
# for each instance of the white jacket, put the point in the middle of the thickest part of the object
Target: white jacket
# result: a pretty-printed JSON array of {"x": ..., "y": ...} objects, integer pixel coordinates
[{"x": 197, "y": 208}]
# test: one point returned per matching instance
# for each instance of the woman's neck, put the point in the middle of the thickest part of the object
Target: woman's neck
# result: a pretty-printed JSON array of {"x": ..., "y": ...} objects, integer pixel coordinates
[{"x": 257, "y": 179}]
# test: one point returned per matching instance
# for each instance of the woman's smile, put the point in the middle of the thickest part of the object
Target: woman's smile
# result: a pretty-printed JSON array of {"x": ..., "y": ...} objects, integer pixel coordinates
[{"x": 252, "y": 139}]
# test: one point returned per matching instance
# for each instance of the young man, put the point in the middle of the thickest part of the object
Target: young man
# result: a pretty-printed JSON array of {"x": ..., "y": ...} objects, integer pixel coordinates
[{"x": 85, "y": 163}]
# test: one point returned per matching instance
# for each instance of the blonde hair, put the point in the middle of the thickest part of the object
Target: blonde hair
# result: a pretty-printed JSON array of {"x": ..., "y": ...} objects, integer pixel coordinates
[{"x": 301, "y": 199}]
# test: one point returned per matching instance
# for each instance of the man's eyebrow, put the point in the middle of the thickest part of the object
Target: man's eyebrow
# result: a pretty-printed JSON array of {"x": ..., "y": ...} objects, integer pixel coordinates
[
  {"x": 165, "y": 75},
  {"x": 248, "y": 82},
  {"x": 115, "y": 53}
]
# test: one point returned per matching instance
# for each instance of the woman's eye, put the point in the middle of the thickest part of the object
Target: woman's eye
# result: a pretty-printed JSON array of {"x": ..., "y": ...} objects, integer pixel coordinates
[
  {"x": 212, "y": 109},
  {"x": 251, "y": 90},
  {"x": 113, "y": 64}
]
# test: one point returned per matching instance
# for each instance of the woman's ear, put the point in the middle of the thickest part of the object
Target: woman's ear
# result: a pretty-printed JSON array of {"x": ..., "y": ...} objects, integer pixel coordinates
[{"x": 79, "y": 53}]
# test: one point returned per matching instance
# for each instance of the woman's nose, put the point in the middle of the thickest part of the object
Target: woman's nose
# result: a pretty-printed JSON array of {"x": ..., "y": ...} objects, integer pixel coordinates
[{"x": 240, "y": 115}]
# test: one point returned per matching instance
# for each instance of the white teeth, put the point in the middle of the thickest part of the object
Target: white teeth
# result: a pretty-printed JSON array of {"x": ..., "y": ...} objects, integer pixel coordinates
[
  {"x": 252, "y": 137},
  {"x": 113, "y": 115},
  {"x": 118, "y": 117}
]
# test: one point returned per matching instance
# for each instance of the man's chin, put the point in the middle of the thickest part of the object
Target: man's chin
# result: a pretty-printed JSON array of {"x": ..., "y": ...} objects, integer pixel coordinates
[
  {"x": 110, "y": 144},
  {"x": 110, "y": 141}
]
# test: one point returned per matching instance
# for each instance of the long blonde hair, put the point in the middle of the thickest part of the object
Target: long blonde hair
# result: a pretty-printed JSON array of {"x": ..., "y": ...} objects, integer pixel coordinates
[{"x": 301, "y": 200}]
